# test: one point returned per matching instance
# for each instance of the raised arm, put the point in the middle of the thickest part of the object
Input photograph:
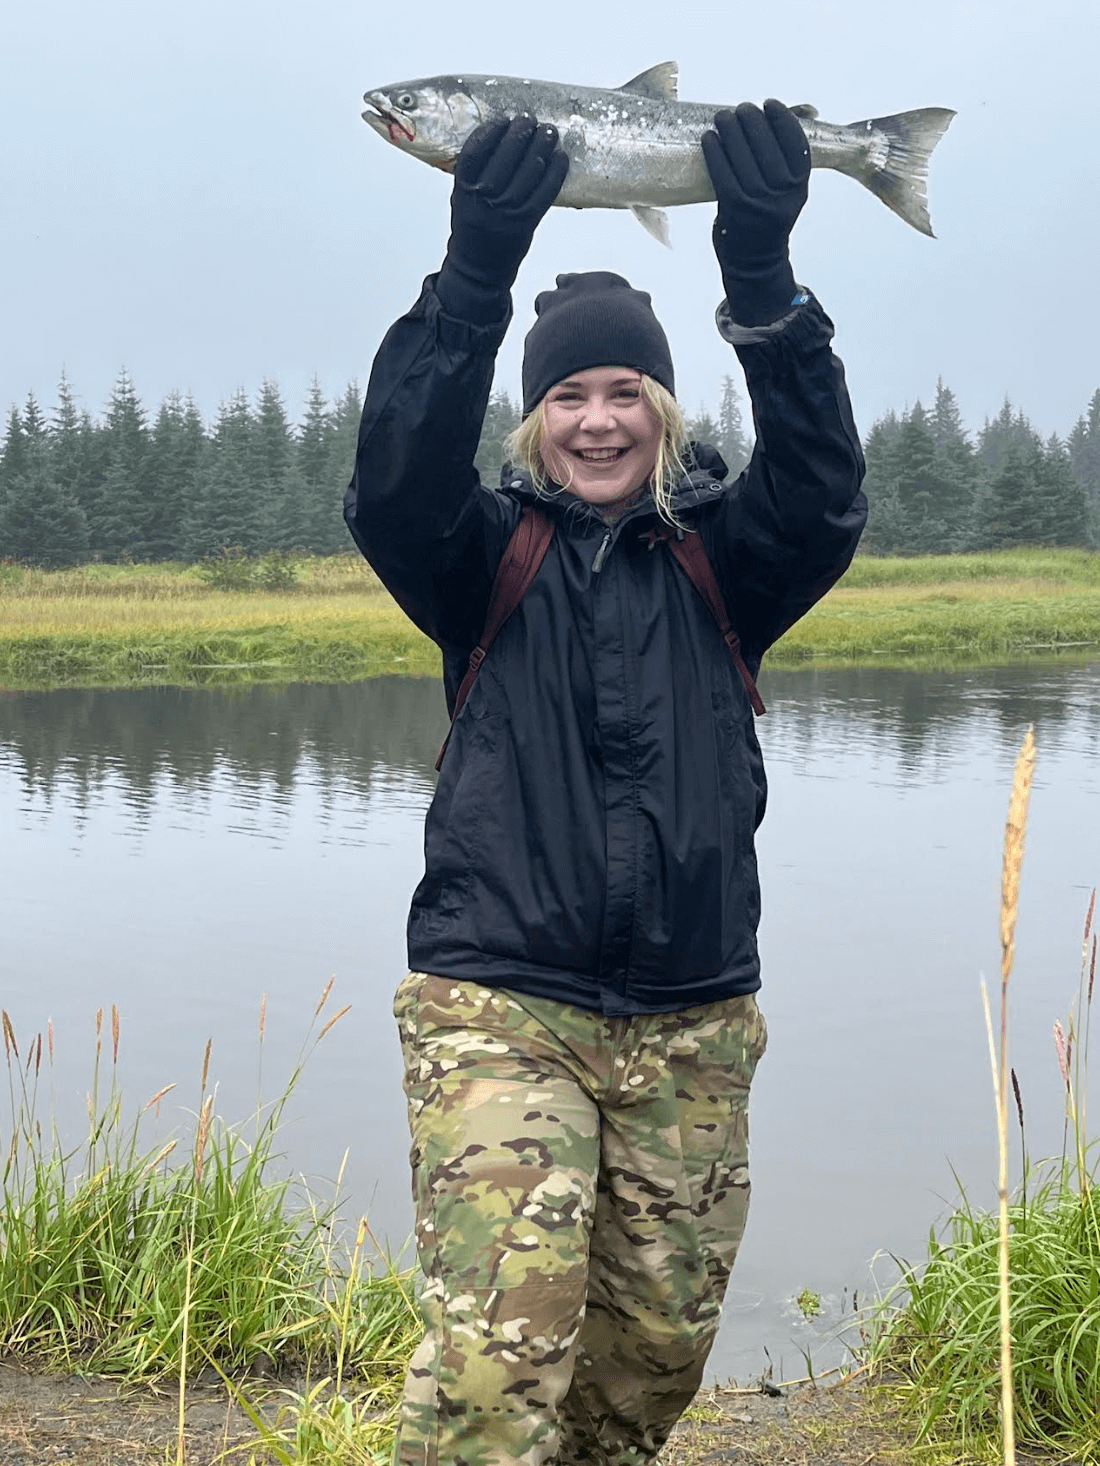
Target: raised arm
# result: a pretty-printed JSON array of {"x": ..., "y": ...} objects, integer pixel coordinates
[
  {"x": 415, "y": 506},
  {"x": 790, "y": 525}
]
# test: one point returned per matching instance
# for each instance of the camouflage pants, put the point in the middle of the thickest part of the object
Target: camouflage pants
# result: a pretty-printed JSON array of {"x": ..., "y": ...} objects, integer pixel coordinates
[{"x": 581, "y": 1187}]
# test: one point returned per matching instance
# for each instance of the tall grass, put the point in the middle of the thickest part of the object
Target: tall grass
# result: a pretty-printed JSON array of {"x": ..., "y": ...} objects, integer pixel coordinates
[
  {"x": 145, "y": 1261},
  {"x": 996, "y": 1337}
]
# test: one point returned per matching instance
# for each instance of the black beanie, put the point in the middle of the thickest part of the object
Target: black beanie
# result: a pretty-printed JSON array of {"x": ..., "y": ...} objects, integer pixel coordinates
[{"x": 592, "y": 320}]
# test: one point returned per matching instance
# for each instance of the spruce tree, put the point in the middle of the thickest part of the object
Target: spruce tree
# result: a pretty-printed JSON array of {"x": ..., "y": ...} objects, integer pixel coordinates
[
  {"x": 702, "y": 428},
  {"x": 1010, "y": 504},
  {"x": 1084, "y": 452},
  {"x": 35, "y": 427},
  {"x": 126, "y": 511},
  {"x": 226, "y": 511},
  {"x": 178, "y": 450},
  {"x": 732, "y": 441},
  {"x": 273, "y": 457},
  {"x": 1062, "y": 507},
  {"x": 502, "y": 416},
  {"x": 343, "y": 440},
  {"x": 922, "y": 495},
  {"x": 15, "y": 457},
  {"x": 312, "y": 463},
  {"x": 956, "y": 468},
  {"x": 40, "y": 524},
  {"x": 885, "y": 531}
]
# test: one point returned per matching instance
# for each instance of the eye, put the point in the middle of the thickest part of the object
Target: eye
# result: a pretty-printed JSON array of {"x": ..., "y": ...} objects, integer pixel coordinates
[{"x": 406, "y": 101}]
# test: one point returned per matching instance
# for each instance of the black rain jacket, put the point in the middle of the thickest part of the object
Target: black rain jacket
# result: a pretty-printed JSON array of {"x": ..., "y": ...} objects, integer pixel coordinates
[{"x": 591, "y": 836}]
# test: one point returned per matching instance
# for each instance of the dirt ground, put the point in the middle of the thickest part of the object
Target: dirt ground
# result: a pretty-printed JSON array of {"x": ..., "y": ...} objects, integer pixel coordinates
[{"x": 49, "y": 1420}]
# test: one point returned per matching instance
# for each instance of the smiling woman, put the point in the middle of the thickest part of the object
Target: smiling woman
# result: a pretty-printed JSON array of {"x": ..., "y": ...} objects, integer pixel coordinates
[
  {"x": 601, "y": 437},
  {"x": 583, "y": 943}
]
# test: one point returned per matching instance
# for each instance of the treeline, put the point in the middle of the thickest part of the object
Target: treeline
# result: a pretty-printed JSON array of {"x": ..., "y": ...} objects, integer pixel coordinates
[
  {"x": 933, "y": 489},
  {"x": 123, "y": 486},
  {"x": 75, "y": 488}
]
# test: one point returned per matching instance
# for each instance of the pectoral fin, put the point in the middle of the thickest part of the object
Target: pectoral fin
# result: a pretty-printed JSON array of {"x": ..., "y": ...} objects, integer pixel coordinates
[
  {"x": 805, "y": 110},
  {"x": 659, "y": 82},
  {"x": 655, "y": 221}
]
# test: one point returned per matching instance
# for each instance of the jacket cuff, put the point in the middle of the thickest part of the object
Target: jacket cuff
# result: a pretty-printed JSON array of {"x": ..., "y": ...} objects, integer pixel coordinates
[
  {"x": 739, "y": 335},
  {"x": 466, "y": 299}
]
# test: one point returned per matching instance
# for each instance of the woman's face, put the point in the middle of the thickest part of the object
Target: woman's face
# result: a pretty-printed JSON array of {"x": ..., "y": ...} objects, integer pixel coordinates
[{"x": 601, "y": 438}]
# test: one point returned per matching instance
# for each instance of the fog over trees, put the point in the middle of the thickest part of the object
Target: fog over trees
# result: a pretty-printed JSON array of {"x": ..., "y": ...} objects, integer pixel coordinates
[{"x": 132, "y": 485}]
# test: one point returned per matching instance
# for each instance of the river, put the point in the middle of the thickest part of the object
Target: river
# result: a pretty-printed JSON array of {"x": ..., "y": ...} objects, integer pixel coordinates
[{"x": 180, "y": 853}]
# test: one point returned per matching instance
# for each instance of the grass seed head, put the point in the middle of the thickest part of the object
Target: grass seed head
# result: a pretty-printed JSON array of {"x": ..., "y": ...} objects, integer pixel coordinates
[
  {"x": 1015, "y": 827},
  {"x": 10, "y": 1046},
  {"x": 156, "y": 1099},
  {"x": 114, "y": 1034},
  {"x": 1060, "y": 1045},
  {"x": 202, "y": 1135},
  {"x": 324, "y": 995},
  {"x": 1019, "y": 1097},
  {"x": 205, "y": 1066},
  {"x": 333, "y": 1020}
]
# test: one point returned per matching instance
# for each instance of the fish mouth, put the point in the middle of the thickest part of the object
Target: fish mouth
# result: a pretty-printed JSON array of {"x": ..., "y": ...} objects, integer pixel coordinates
[{"x": 398, "y": 129}]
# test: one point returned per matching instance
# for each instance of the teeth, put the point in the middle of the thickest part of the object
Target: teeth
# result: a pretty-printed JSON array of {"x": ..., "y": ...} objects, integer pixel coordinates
[{"x": 600, "y": 455}]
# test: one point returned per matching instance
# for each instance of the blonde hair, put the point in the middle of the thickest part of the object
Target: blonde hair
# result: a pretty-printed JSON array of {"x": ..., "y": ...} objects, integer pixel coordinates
[{"x": 524, "y": 447}]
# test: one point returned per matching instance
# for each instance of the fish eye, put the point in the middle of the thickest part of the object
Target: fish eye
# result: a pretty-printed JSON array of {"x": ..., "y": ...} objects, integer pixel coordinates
[{"x": 406, "y": 101}]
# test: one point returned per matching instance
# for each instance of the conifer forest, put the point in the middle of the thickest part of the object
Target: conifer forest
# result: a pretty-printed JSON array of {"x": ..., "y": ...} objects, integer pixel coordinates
[{"x": 141, "y": 485}]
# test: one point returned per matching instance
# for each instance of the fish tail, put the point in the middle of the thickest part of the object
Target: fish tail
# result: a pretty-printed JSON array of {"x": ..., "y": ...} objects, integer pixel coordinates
[{"x": 901, "y": 180}]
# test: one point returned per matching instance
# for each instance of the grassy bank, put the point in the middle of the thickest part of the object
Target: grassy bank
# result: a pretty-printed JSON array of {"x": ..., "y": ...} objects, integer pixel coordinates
[
  {"x": 195, "y": 1254},
  {"x": 164, "y": 625}
]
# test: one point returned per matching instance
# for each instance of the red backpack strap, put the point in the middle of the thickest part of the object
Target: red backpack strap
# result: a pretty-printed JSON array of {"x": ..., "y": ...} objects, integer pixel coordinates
[
  {"x": 692, "y": 555},
  {"x": 518, "y": 567}
]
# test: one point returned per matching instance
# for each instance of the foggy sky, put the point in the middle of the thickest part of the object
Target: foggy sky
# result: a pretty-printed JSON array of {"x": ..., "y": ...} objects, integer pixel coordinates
[{"x": 188, "y": 190}]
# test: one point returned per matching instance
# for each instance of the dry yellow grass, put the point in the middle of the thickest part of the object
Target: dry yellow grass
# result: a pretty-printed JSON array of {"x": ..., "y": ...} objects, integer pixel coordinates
[
  {"x": 111, "y": 625},
  {"x": 203, "y": 612}
]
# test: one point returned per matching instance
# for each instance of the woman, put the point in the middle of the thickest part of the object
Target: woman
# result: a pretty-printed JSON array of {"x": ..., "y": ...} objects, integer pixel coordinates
[{"x": 579, "y": 1026}]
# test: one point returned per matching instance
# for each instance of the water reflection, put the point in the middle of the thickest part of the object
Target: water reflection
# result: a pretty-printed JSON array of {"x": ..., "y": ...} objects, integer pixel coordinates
[
  {"x": 359, "y": 736},
  {"x": 353, "y": 737}
]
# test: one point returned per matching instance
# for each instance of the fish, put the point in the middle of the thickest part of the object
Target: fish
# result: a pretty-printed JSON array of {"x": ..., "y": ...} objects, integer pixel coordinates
[{"x": 638, "y": 147}]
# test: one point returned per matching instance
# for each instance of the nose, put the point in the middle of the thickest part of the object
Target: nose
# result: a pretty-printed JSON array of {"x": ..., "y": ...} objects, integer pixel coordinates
[{"x": 598, "y": 415}]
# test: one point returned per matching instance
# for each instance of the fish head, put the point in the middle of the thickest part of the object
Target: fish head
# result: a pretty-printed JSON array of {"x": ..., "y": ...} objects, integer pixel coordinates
[{"x": 430, "y": 119}]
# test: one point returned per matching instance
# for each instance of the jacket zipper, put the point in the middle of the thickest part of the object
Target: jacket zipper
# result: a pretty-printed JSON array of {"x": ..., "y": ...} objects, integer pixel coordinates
[{"x": 601, "y": 554}]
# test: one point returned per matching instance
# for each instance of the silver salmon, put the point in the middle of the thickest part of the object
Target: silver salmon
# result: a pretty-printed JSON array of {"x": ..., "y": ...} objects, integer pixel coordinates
[{"x": 637, "y": 147}]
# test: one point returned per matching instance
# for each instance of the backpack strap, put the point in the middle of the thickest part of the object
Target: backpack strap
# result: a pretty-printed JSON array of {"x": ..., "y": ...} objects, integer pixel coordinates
[
  {"x": 692, "y": 556},
  {"x": 518, "y": 567}
]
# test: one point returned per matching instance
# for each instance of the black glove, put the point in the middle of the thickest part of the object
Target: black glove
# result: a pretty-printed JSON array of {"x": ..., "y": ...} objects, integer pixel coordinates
[
  {"x": 506, "y": 177},
  {"x": 759, "y": 163}
]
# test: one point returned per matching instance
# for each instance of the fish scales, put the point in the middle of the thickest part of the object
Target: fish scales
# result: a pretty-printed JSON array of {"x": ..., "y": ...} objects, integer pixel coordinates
[{"x": 638, "y": 147}]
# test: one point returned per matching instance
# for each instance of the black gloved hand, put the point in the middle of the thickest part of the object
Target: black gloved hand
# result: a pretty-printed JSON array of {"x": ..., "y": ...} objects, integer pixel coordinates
[
  {"x": 506, "y": 177},
  {"x": 759, "y": 163}
]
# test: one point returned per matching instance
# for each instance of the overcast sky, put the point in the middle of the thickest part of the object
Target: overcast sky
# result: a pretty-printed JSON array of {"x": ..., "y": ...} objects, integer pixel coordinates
[{"x": 188, "y": 191}]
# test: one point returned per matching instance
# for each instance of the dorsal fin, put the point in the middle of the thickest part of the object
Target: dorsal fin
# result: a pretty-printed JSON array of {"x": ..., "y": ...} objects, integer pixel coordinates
[
  {"x": 659, "y": 82},
  {"x": 805, "y": 110}
]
